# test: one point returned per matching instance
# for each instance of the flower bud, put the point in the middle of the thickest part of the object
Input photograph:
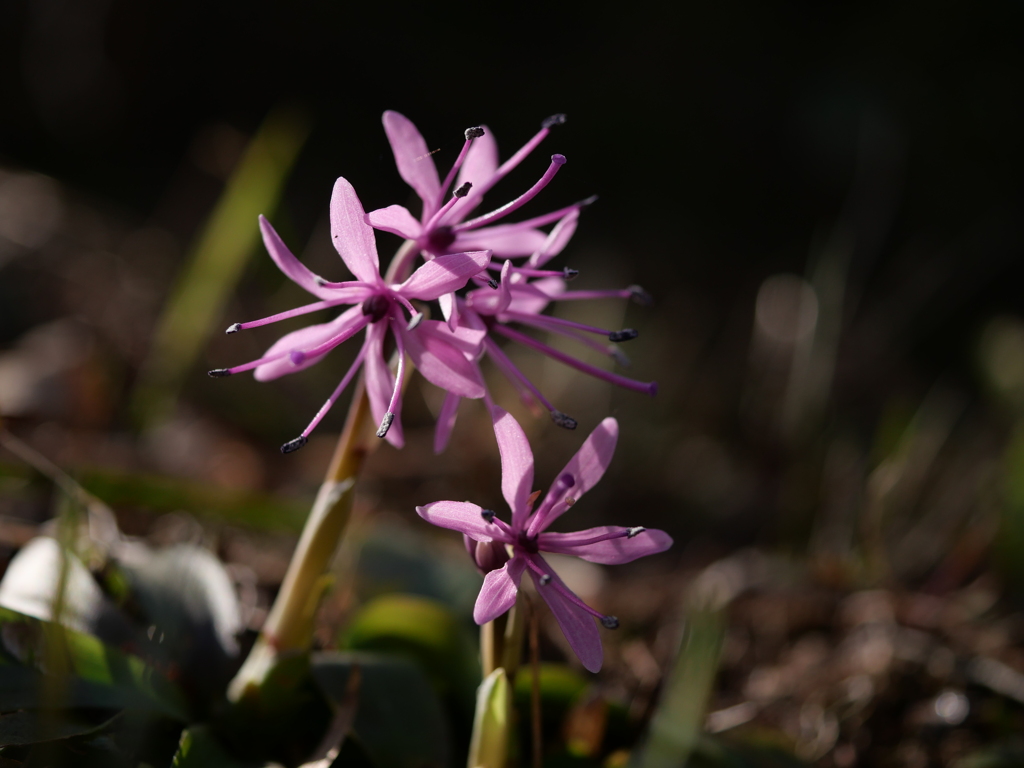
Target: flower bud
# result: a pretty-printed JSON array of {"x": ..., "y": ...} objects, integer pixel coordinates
[{"x": 487, "y": 556}]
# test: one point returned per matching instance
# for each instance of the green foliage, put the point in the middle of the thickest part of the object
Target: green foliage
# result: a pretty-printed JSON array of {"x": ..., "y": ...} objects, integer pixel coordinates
[{"x": 399, "y": 721}]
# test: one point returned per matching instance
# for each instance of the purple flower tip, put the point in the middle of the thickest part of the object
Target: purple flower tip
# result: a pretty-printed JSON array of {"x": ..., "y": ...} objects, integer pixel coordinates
[
  {"x": 626, "y": 334},
  {"x": 609, "y": 622},
  {"x": 558, "y": 119},
  {"x": 566, "y": 422},
  {"x": 234, "y": 328},
  {"x": 558, "y": 159},
  {"x": 218, "y": 372},
  {"x": 474, "y": 133},
  {"x": 293, "y": 445},
  {"x": 652, "y": 388}
]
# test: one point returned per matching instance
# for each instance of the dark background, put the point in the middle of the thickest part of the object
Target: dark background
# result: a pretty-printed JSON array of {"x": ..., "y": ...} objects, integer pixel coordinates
[{"x": 729, "y": 142}]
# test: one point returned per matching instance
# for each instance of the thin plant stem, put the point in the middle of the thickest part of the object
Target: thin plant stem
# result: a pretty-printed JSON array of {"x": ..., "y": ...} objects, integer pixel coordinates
[
  {"x": 289, "y": 625},
  {"x": 535, "y": 721}
]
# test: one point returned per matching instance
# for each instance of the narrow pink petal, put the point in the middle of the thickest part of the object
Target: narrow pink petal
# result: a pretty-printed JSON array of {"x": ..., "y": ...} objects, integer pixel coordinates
[
  {"x": 443, "y": 275},
  {"x": 469, "y": 340},
  {"x": 397, "y": 220},
  {"x": 558, "y": 238},
  {"x": 380, "y": 382},
  {"x": 516, "y": 464},
  {"x": 498, "y": 593},
  {"x": 415, "y": 165},
  {"x": 449, "y": 309},
  {"x": 585, "y": 468},
  {"x": 352, "y": 234},
  {"x": 615, "y": 548},
  {"x": 306, "y": 338},
  {"x": 504, "y": 289},
  {"x": 431, "y": 348},
  {"x": 462, "y": 516},
  {"x": 576, "y": 624},
  {"x": 534, "y": 297},
  {"x": 506, "y": 240},
  {"x": 479, "y": 166},
  {"x": 296, "y": 271},
  {"x": 446, "y": 421}
]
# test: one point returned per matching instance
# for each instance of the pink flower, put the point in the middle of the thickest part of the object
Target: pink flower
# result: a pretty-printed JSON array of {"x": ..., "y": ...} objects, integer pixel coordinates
[
  {"x": 443, "y": 227},
  {"x": 527, "y": 535},
  {"x": 438, "y": 352},
  {"x": 520, "y": 299}
]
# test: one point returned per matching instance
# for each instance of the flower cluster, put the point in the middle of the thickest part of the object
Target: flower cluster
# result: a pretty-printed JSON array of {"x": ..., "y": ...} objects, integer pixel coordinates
[{"x": 489, "y": 279}]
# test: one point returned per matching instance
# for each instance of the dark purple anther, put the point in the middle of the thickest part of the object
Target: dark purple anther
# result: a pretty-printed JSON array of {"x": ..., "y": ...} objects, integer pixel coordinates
[
  {"x": 634, "y": 531},
  {"x": 545, "y": 579},
  {"x": 234, "y": 328},
  {"x": 566, "y": 422},
  {"x": 294, "y": 445},
  {"x": 463, "y": 190},
  {"x": 640, "y": 296},
  {"x": 558, "y": 119},
  {"x": 487, "y": 515},
  {"x": 626, "y": 334},
  {"x": 558, "y": 159},
  {"x": 385, "y": 424},
  {"x": 297, "y": 356},
  {"x": 218, "y": 372},
  {"x": 570, "y": 274},
  {"x": 474, "y": 133},
  {"x": 609, "y": 622}
]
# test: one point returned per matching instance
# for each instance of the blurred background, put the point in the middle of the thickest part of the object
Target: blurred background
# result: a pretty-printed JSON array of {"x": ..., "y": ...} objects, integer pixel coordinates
[{"x": 825, "y": 201}]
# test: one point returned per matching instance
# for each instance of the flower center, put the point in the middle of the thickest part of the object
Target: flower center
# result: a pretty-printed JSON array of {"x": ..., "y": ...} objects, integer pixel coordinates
[
  {"x": 376, "y": 307},
  {"x": 527, "y": 543},
  {"x": 440, "y": 240}
]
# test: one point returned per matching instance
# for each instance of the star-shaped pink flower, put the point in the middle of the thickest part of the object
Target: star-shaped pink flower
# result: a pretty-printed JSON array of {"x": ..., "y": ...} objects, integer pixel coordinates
[
  {"x": 527, "y": 535},
  {"x": 522, "y": 295},
  {"x": 443, "y": 227},
  {"x": 438, "y": 352}
]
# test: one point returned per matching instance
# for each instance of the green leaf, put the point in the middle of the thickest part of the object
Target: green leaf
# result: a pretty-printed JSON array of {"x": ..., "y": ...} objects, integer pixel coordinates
[
  {"x": 679, "y": 718},
  {"x": 399, "y": 720},
  {"x": 32, "y": 726},
  {"x": 493, "y": 722},
  {"x": 82, "y": 671},
  {"x": 199, "y": 748}
]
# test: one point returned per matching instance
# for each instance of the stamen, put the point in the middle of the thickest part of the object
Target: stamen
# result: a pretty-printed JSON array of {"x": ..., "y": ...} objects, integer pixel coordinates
[
  {"x": 385, "y": 424},
  {"x": 626, "y": 334},
  {"x": 471, "y": 133},
  {"x": 557, "y": 161},
  {"x": 293, "y": 445},
  {"x": 540, "y": 321},
  {"x": 634, "y": 531},
  {"x": 558, "y": 119},
  {"x": 570, "y": 274},
  {"x": 517, "y": 378},
  {"x": 414, "y": 321},
  {"x": 640, "y": 296},
  {"x": 609, "y": 622},
  {"x": 545, "y": 579},
  {"x": 512, "y": 162},
  {"x": 325, "y": 283},
  {"x": 219, "y": 372},
  {"x": 287, "y": 314},
  {"x": 566, "y": 422},
  {"x": 436, "y": 218},
  {"x": 624, "y": 293},
  {"x": 493, "y": 283},
  {"x": 562, "y": 483},
  {"x": 547, "y": 321},
  {"x": 337, "y": 391},
  {"x": 487, "y": 515},
  {"x": 463, "y": 190},
  {"x": 650, "y": 387}
]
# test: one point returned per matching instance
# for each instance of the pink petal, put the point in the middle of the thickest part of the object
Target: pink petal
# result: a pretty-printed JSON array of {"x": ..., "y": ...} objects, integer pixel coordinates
[
  {"x": 535, "y": 296},
  {"x": 612, "y": 551},
  {"x": 586, "y": 468},
  {"x": 498, "y": 593},
  {"x": 506, "y": 240},
  {"x": 296, "y": 271},
  {"x": 380, "y": 382},
  {"x": 516, "y": 464},
  {"x": 352, "y": 235},
  {"x": 462, "y": 516},
  {"x": 430, "y": 347},
  {"x": 397, "y": 220},
  {"x": 558, "y": 238},
  {"x": 479, "y": 166},
  {"x": 449, "y": 309},
  {"x": 446, "y": 421},
  {"x": 415, "y": 165},
  {"x": 577, "y": 624},
  {"x": 443, "y": 275},
  {"x": 305, "y": 338}
]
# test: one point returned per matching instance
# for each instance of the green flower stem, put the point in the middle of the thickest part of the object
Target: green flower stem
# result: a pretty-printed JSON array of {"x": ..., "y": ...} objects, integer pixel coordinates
[{"x": 289, "y": 625}]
